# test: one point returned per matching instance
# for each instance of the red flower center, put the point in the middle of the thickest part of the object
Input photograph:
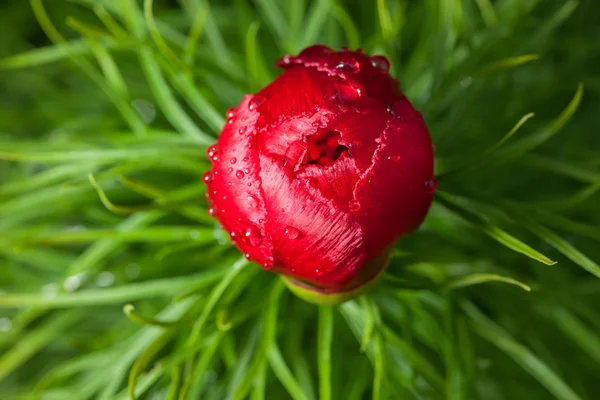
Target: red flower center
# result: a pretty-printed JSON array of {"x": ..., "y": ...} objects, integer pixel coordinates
[{"x": 323, "y": 149}]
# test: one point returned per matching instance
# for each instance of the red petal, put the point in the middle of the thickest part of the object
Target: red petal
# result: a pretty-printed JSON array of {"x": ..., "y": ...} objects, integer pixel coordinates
[
  {"x": 393, "y": 194},
  {"x": 235, "y": 191},
  {"x": 335, "y": 182},
  {"x": 313, "y": 239}
]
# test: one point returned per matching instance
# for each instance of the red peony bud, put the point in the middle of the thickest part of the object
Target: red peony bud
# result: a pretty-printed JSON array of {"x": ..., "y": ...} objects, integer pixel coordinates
[{"x": 317, "y": 175}]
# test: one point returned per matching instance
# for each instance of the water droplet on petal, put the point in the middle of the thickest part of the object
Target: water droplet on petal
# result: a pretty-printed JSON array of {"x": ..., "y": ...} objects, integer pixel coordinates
[
  {"x": 212, "y": 151},
  {"x": 230, "y": 169},
  {"x": 291, "y": 232},
  {"x": 431, "y": 184},
  {"x": 207, "y": 177},
  {"x": 252, "y": 200},
  {"x": 256, "y": 102},
  {"x": 240, "y": 174},
  {"x": 233, "y": 160},
  {"x": 399, "y": 110},
  {"x": 381, "y": 63},
  {"x": 252, "y": 235},
  {"x": 353, "y": 205},
  {"x": 349, "y": 65},
  {"x": 212, "y": 211},
  {"x": 347, "y": 94},
  {"x": 248, "y": 256},
  {"x": 242, "y": 130},
  {"x": 395, "y": 158},
  {"x": 245, "y": 159},
  {"x": 285, "y": 61},
  {"x": 231, "y": 113}
]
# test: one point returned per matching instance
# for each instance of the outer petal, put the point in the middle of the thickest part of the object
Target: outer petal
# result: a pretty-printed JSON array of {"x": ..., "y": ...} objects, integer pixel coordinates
[
  {"x": 235, "y": 191},
  {"x": 393, "y": 194},
  {"x": 299, "y": 91}
]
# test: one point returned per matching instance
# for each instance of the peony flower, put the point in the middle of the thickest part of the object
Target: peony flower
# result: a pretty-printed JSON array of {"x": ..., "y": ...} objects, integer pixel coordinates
[{"x": 317, "y": 175}]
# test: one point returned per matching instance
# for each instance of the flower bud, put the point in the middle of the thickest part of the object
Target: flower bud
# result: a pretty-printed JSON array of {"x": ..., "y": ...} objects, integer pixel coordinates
[{"x": 317, "y": 175}]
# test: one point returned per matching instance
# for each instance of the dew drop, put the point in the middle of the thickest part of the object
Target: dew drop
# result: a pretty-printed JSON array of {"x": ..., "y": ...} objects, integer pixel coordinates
[
  {"x": 252, "y": 200},
  {"x": 207, "y": 177},
  {"x": 242, "y": 130},
  {"x": 291, "y": 232},
  {"x": 233, "y": 160},
  {"x": 230, "y": 169},
  {"x": 353, "y": 205},
  {"x": 431, "y": 184},
  {"x": 73, "y": 282},
  {"x": 245, "y": 159},
  {"x": 212, "y": 151},
  {"x": 395, "y": 158},
  {"x": 381, "y": 63},
  {"x": 212, "y": 211},
  {"x": 347, "y": 94},
  {"x": 105, "y": 279},
  {"x": 285, "y": 61},
  {"x": 350, "y": 66},
  {"x": 230, "y": 113},
  {"x": 256, "y": 103},
  {"x": 240, "y": 174},
  {"x": 252, "y": 235},
  {"x": 5, "y": 325},
  {"x": 248, "y": 256}
]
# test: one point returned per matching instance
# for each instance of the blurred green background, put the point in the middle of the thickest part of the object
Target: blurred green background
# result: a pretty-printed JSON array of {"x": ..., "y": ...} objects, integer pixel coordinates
[{"x": 115, "y": 283}]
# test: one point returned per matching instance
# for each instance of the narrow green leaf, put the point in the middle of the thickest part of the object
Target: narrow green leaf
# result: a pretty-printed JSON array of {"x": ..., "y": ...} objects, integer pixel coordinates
[
  {"x": 35, "y": 340},
  {"x": 275, "y": 20},
  {"x": 213, "y": 298},
  {"x": 566, "y": 248},
  {"x": 493, "y": 333},
  {"x": 283, "y": 373},
  {"x": 314, "y": 25},
  {"x": 486, "y": 8},
  {"x": 532, "y": 141},
  {"x": 350, "y": 29},
  {"x": 507, "y": 63},
  {"x": 325, "y": 338},
  {"x": 164, "y": 287},
  {"x": 476, "y": 279},
  {"x": 491, "y": 230},
  {"x": 584, "y": 337}
]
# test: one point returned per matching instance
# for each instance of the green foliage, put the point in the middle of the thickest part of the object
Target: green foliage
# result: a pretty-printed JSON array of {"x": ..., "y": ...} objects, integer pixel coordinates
[{"x": 115, "y": 284}]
